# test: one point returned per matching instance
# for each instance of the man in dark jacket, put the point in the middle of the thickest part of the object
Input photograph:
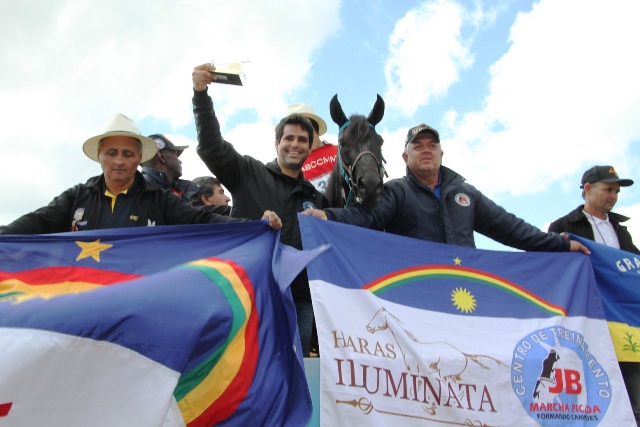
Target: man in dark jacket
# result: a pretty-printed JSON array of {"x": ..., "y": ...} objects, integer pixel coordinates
[
  {"x": 165, "y": 168},
  {"x": 210, "y": 196},
  {"x": 595, "y": 221},
  {"x": 120, "y": 197},
  {"x": 278, "y": 186},
  {"x": 434, "y": 203}
]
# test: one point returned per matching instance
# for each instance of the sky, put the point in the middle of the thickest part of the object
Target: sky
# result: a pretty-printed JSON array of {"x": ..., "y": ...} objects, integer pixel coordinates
[{"x": 526, "y": 95}]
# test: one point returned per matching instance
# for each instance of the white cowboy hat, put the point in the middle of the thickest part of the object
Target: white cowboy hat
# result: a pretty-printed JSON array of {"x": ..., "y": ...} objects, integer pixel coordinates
[
  {"x": 120, "y": 125},
  {"x": 307, "y": 111}
]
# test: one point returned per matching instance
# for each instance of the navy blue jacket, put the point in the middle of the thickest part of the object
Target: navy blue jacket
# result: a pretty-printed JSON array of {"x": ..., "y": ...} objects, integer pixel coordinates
[{"x": 410, "y": 209}]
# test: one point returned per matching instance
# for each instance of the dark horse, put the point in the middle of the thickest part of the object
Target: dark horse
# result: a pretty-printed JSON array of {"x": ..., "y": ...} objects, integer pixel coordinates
[{"x": 357, "y": 175}]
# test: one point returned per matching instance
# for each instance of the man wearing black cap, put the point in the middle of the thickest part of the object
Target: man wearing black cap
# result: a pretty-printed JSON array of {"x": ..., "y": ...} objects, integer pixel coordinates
[
  {"x": 165, "y": 168},
  {"x": 595, "y": 221},
  {"x": 434, "y": 203}
]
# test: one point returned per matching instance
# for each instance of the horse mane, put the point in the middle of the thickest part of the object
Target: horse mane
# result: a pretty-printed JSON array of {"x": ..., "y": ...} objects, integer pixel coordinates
[{"x": 357, "y": 130}]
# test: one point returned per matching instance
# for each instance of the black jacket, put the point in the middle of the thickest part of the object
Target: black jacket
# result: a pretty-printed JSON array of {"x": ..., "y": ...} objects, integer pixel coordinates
[
  {"x": 255, "y": 187},
  {"x": 410, "y": 209},
  {"x": 577, "y": 223},
  {"x": 152, "y": 206},
  {"x": 160, "y": 179},
  {"x": 219, "y": 209}
]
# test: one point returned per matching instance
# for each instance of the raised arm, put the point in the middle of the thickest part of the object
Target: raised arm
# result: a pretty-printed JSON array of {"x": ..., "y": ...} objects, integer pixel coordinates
[{"x": 219, "y": 155}]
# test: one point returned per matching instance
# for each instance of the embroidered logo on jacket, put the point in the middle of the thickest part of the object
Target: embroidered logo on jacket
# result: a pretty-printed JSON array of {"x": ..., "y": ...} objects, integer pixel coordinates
[
  {"x": 77, "y": 216},
  {"x": 462, "y": 199}
]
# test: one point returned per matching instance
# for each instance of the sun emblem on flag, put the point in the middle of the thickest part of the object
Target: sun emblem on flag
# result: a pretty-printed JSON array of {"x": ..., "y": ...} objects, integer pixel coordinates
[{"x": 463, "y": 300}]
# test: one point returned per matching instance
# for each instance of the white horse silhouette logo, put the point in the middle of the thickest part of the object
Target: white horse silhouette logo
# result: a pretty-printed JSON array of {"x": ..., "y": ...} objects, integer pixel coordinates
[{"x": 422, "y": 357}]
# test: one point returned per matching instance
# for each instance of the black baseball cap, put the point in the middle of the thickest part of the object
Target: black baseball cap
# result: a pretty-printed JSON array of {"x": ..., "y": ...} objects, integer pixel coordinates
[
  {"x": 603, "y": 174},
  {"x": 421, "y": 128},
  {"x": 163, "y": 143}
]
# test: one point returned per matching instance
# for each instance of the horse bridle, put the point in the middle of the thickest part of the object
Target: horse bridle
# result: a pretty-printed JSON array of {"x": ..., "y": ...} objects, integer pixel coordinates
[{"x": 347, "y": 171}]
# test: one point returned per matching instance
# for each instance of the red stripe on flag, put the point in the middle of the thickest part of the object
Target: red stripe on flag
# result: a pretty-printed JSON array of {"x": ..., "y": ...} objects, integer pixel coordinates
[
  {"x": 48, "y": 275},
  {"x": 5, "y": 408}
]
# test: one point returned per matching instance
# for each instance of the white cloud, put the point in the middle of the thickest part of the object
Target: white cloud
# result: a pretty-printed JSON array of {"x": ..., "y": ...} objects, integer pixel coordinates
[
  {"x": 68, "y": 66},
  {"x": 427, "y": 51},
  {"x": 564, "y": 97}
]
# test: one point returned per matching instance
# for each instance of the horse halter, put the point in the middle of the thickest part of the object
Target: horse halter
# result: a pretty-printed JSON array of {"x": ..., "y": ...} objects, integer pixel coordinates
[{"x": 347, "y": 171}]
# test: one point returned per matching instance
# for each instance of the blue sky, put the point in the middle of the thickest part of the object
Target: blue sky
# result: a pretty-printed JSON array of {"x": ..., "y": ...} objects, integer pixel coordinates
[{"x": 526, "y": 95}]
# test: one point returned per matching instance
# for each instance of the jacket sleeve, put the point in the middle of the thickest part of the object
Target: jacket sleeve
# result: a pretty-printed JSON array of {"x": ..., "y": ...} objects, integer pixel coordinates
[
  {"x": 557, "y": 226},
  {"x": 378, "y": 217},
  {"x": 219, "y": 155},
  {"x": 53, "y": 218},
  {"x": 496, "y": 223}
]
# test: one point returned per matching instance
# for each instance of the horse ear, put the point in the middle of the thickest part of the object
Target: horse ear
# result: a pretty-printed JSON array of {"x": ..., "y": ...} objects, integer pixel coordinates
[
  {"x": 337, "y": 114},
  {"x": 376, "y": 112}
]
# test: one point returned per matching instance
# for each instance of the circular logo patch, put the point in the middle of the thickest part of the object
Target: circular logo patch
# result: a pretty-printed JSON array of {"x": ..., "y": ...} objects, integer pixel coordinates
[
  {"x": 462, "y": 199},
  {"x": 557, "y": 379}
]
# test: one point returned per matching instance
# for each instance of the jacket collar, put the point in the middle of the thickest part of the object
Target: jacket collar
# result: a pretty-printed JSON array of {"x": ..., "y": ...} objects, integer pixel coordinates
[
  {"x": 97, "y": 183},
  {"x": 156, "y": 176},
  {"x": 274, "y": 168},
  {"x": 447, "y": 177},
  {"x": 578, "y": 215}
]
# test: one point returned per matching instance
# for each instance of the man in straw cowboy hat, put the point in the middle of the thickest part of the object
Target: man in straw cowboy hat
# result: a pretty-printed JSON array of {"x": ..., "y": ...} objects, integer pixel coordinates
[{"x": 120, "y": 197}]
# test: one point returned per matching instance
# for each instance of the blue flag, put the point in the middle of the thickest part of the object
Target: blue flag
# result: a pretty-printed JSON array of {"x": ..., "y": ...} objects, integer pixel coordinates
[
  {"x": 182, "y": 325},
  {"x": 414, "y": 332},
  {"x": 617, "y": 273}
]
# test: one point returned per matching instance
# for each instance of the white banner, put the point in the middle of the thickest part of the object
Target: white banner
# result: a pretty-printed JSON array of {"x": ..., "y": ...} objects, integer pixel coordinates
[{"x": 386, "y": 364}]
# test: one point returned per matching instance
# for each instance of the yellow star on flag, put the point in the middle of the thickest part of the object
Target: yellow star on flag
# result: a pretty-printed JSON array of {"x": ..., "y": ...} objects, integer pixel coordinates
[
  {"x": 457, "y": 261},
  {"x": 92, "y": 249}
]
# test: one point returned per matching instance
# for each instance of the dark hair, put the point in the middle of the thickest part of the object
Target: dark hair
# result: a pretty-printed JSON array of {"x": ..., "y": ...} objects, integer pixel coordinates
[
  {"x": 205, "y": 188},
  {"x": 295, "y": 119}
]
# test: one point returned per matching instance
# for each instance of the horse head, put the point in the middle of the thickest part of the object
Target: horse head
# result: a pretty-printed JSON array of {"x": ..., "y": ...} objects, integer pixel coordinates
[
  {"x": 359, "y": 163},
  {"x": 379, "y": 321}
]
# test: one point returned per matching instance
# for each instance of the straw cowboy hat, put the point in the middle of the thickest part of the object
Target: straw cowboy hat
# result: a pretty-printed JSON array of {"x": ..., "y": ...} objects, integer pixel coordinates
[
  {"x": 307, "y": 111},
  {"x": 120, "y": 125}
]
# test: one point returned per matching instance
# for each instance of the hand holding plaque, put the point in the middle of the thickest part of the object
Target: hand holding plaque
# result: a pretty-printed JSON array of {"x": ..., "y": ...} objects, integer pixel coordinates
[{"x": 229, "y": 73}]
